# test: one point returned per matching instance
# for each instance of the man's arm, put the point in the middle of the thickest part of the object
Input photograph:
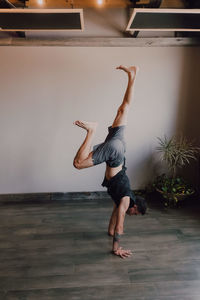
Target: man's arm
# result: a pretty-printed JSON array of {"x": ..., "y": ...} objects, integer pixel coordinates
[
  {"x": 119, "y": 228},
  {"x": 113, "y": 220}
]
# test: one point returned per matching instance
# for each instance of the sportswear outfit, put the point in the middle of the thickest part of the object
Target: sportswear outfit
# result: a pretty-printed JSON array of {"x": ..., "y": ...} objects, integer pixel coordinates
[{"x": 112, "y": 151}]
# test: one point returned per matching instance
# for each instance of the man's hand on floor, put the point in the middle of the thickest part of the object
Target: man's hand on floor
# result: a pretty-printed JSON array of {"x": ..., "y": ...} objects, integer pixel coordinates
[{"x": 122, "y": 253}]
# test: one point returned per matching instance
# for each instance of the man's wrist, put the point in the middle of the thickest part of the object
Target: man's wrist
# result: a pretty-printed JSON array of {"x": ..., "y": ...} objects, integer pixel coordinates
[
  {"x": 114, "y": 251},
  {"x": 116, "y": 237}
]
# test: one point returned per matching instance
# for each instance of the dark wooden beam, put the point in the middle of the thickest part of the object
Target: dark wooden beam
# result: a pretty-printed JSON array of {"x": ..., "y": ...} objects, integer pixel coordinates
[{"x": 102, "y": 42}]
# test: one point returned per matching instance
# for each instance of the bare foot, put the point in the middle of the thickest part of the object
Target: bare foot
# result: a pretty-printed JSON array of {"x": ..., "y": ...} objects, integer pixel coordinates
[
  {"x": 87, "y": 125},
  {"x": 131, "y": 71}
]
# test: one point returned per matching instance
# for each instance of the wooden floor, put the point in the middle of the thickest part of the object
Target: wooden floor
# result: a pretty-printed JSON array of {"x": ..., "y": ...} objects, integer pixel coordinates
[{"x": 57, "y": 248}]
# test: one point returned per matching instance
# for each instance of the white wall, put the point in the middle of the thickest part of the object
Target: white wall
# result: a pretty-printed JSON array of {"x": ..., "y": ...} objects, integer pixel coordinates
[{"x": 43, "y": 90}]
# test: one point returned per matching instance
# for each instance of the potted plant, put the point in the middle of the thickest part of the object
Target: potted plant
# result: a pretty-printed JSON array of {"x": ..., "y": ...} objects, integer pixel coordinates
[{"x": 176, "y": 153}]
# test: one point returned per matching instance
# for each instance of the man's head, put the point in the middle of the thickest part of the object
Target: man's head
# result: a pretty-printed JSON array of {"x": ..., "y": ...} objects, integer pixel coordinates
[{"x": 140, "y": 207}]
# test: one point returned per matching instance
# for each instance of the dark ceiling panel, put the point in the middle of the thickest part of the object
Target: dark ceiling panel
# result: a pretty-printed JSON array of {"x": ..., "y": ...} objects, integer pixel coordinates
[
  {"x": 38, "y": 19},
  {"x": 165, "y": 19}
]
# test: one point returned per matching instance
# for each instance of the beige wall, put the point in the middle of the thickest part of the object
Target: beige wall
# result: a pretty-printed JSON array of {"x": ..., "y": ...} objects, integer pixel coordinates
[{"x": 43, "y": 90}]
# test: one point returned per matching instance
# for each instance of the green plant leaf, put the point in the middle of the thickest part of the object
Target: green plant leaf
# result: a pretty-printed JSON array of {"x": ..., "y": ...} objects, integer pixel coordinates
[{"x": 176, "y": 152}]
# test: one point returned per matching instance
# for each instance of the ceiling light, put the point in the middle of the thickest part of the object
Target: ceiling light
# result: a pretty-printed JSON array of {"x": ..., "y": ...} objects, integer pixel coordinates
[
  {"x": 99, "y": 2},
  {"x": 40, "y": 2}
]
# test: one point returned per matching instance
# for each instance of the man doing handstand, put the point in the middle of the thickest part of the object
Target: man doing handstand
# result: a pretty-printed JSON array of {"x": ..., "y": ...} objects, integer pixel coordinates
[{"x": 112, "y": 151}]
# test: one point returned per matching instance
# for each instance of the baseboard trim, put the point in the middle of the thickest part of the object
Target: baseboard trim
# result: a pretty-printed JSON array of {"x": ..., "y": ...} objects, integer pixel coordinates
[{"x": 57, "y": 196}]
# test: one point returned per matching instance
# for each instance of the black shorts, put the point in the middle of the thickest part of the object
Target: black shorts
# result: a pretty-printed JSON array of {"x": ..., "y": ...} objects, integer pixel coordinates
[
  {"x": 118, "y": 187},
  {"x": 112, "y": 150}
]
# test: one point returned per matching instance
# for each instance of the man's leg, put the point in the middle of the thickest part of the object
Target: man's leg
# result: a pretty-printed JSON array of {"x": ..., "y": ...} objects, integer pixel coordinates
[
  {"x": 122, "y": 113},
  {"x": 83, "y": 158}
]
